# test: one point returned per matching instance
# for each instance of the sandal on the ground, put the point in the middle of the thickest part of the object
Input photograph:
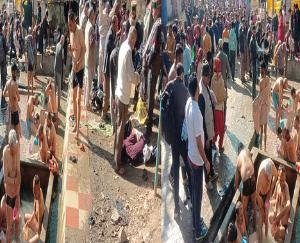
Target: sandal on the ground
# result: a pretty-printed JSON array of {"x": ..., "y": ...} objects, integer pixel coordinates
[{"x": 73, "y": 158}]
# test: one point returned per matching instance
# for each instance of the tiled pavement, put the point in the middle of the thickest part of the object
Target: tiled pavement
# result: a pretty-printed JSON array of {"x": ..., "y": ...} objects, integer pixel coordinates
[{"x": 76, "y": 199}]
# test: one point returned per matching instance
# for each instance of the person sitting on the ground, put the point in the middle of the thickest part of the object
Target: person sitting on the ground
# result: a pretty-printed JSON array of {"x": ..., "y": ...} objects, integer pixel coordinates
[
  {"x": 296, "y": 98},
  {"x": 31, "y": 121},
  {"x": 12, "y": 92},
  {"x": 3, "y": 224},
  {"x": 34, "y": 221},
  {"x": 50, "y": 133},
  {"x": 240, "y": 221},
  {"x": 277, "y": 97},
  {"x": 245, "y": 172},
  {"x": 266, "y": 180},
  {"x": 280, "y": 206},
  {"x": 288, "y": 145},
  {"x": 51, "y": 93}
]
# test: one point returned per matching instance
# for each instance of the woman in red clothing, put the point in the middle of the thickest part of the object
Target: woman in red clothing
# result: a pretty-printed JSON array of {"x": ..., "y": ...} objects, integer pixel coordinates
[{"x": 281, "y": 27}]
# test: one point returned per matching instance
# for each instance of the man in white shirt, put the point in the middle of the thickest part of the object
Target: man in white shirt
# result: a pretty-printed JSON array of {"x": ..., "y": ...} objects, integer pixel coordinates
[
  {"x": 196, "y": 155},
  {"x": 126, "y": 76}
]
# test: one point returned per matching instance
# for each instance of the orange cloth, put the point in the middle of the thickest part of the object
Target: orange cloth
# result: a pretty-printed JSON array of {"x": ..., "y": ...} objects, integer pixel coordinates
[{"x": 207, "y": 44}]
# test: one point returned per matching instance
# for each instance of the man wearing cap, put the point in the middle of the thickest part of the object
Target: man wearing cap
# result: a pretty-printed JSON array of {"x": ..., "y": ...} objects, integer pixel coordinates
[
  {"x": 206, "y": 107},
  {"x": 90, "y": 54},
  {"x": 12, "y": 92},
  {"x": 153, "y": 60}
]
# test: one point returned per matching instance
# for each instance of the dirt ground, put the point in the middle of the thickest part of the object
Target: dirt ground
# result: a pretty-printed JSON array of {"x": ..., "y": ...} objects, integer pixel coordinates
[{"x": 120, "y": 203}]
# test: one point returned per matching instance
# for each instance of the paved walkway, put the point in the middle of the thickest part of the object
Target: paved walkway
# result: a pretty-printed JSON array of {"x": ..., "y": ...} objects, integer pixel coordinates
[
  {"x": 76, "y": 199},
  {"x": 239, "y": 129}
]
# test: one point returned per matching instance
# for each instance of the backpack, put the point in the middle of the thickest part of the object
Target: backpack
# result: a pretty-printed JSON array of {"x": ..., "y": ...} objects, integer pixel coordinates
[{"x": 167, "y": 116}]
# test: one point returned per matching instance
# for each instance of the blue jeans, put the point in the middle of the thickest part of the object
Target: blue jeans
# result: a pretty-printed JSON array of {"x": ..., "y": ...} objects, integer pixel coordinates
[
  {"x": 179, "y": 148},
  {"x": 197, "y": 191}
]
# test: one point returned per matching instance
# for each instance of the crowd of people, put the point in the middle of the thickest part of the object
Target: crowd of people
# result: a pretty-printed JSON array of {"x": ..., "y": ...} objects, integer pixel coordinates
[
  {"x": 199, "y": 63},
  {"x": 110, "y": 49},
  {"x": 191, "y": 63}
]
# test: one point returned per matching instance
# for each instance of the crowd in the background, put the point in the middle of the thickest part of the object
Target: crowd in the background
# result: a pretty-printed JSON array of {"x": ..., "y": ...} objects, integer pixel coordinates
[
  {"x": 199, "y": 64},
  {"x": 109, "y": 49}
]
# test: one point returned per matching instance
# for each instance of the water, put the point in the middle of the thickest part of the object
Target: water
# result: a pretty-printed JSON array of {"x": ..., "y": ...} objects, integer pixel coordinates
[
  {"x": 54, "y": 217},
  {"x": 296, "y": 237}
]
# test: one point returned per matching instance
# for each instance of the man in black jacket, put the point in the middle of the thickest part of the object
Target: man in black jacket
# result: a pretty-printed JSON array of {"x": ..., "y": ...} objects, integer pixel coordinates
[{"x": 178, "y": 95}]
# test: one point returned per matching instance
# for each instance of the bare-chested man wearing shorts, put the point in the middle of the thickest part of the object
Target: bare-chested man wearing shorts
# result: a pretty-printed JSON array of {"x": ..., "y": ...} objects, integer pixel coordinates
[
  {"x": 12, "y": 181},
  {"x": 12, "y": 92},
  {"x": 51, "y": 93},
  {"x": 266, "y": 180},
  {"x": 280, "y": 206},
  {"x": 245, "y": 172}
]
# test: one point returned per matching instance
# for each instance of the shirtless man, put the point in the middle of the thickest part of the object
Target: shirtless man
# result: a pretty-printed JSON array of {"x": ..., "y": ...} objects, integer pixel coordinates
[
  {"x": 77, "y": 48},
  {"x": 240, "y": 221},
  {"x": 12, "y": 92},
  {"x": 44, "y": 151},
  {"x": 245, "y": 172},
  {"x": 34, "y": 221},
  {"x": 289, "y": 145},
  {"x": 296, "y": 98},
  {"x": 50, "y": 133},
  {"x": 12, "y": 181},
  {"x": 50, "y": 92},
  {"x": 3, "y": 224},
  {"x": 31, "y": 121},
  {"x": 277, "y": 97},
  {"x": 280, "y": 206},
  {"x": 266, "y": 180},
  {"x": 2, "y": 220}
]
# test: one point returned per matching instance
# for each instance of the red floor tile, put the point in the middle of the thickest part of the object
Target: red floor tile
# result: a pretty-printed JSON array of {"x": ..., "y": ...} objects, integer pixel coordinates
[
  {"x": 72, "y": 183},
  {"x": 84, "y": 201},
  {"x": 72, "y": 217}
]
